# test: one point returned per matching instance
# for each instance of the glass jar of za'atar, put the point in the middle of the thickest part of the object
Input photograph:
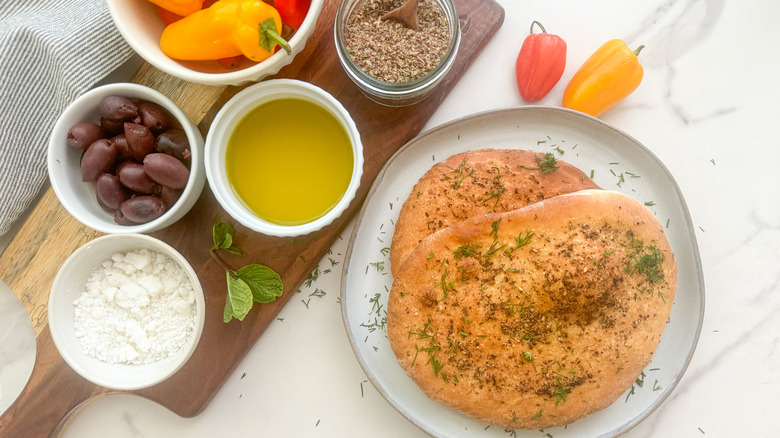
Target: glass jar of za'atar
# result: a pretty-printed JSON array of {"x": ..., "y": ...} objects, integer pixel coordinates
[{"x": 391, "y": 63}]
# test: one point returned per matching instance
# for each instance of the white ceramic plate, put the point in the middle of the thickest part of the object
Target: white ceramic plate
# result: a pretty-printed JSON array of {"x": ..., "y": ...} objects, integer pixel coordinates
[{"x": 615, "y": 161}]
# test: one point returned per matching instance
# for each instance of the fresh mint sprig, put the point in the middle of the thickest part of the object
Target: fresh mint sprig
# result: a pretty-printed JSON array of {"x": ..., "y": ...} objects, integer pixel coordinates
[
  {"x": 223, "y": 238},
  {"x": 249, "y": 284}
]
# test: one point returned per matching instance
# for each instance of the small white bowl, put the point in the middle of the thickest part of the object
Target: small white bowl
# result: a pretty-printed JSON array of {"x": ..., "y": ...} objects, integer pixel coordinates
[
  {"x": 64, "y": 166},
  {"x": 225, "y": 123},
  {"x": 70, "y": 283},
  {"x": 139, "y": 23}
]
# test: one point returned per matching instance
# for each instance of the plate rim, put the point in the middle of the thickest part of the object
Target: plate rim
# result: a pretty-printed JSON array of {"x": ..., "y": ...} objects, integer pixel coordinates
[{"x": 625, "y": 427}]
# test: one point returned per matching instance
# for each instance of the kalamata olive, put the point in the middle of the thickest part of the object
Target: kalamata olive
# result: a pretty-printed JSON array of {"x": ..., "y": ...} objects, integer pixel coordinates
[
  {"x": 97, "y": 159},
  {"x": 111, "y": 127},
  {"x": 153, "y": 116},
  {"x": 121, "y": 219},
  {"x": 133, "y": 176},
  {"x": 169, "y": 196},
  {"x": 122, "y": 148},
  {"x": 110, "y": 192},
  {"x": 174, "y": 142},
  {"x": 118, "y": 108},
  {"x": 166, "y": 170},
  {"x": 83, "y": 134},
  {"x": 140, "y": 140},
  {"x": 142, "y": 209}
]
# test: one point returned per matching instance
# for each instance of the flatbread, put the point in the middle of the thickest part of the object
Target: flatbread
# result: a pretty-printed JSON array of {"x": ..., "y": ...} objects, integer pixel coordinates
[
  {"x": 479, "y": 182},
  {"x": 536, "y": 317}
]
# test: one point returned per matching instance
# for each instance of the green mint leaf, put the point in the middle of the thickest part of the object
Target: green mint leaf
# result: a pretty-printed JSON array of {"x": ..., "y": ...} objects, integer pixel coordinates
[
  {"x": 266, "y": 285},
  {"x": 269, "y": 36},
  {"x": 239, "y": 299},
  {"x": 233, "y": 250},
  {"x": 223, "y": 238},
  {"x": 222, "y": 233},
  {"x": 227, "y": 241},
  {"x": 249, "y": 284}
]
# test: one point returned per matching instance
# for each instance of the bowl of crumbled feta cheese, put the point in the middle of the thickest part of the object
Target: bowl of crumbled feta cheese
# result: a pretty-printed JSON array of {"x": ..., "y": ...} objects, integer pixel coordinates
[{"x": 126, "y": 311}]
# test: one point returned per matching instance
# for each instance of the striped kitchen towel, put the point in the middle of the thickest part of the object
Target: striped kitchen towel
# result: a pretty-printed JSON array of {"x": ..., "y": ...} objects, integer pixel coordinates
[{"x": 50, "y": 53}]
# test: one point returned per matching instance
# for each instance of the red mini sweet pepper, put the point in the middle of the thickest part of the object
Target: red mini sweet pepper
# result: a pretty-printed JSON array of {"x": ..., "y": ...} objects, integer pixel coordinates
[
  {"x": 540, "y": 64},
  {"x": 293, "y": 12}
]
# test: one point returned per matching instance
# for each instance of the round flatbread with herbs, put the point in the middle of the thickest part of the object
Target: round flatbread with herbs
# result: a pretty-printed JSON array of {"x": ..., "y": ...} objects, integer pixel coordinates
[
  {"x": 536, "y": 317},
  {"x": 478, "y": 182}
]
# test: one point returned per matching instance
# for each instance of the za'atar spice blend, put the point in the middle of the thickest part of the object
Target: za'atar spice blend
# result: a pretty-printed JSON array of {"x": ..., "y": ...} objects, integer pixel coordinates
[{"x": 388, "y": 50}]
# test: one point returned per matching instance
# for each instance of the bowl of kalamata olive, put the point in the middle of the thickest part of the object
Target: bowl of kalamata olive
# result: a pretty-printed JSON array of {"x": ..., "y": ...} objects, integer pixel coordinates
[{"x": 123, "y": 158}]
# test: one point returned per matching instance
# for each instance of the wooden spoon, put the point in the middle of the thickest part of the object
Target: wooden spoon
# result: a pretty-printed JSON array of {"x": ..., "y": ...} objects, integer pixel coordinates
[{"x": 406, "y": 14}]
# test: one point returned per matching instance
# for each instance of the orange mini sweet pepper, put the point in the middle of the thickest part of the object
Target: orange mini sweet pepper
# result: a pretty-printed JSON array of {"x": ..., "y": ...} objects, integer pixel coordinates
[
  {"x": 610, "y": 74},
  {"x": 180, "y": 7},
  {"x": 225, "y": 29}
]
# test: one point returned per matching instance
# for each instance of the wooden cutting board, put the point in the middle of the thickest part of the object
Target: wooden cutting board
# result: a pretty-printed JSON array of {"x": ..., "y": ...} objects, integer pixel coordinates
[{"x": 49, "y": 235}]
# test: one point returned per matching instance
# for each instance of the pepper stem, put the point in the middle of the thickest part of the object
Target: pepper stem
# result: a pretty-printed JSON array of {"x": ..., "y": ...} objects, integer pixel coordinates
[
  {"x": 540, "y": 26},
  {"x": 269, "y": 36},
  {"x": 279, "y": 40},
  {"x": 639, "y": 49}
]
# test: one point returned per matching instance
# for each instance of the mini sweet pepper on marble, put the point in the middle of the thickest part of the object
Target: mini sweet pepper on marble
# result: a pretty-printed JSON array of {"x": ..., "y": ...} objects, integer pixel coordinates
[
  {"x": 225, "y": 29},
  {"x": 610, "y": 74},
  {"x": 539, "y": 64}
]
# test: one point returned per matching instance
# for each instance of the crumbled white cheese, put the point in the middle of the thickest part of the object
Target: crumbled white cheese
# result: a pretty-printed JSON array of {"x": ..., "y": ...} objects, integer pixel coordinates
[{"x": 138, "y": 308}]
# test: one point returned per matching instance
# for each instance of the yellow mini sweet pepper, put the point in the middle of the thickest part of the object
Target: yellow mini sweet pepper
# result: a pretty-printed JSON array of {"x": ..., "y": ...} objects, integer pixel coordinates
[
  {"x": 610, "y": 74},
  {"x": 180, "y": 7},
  {"x": 225, "y": 29}
]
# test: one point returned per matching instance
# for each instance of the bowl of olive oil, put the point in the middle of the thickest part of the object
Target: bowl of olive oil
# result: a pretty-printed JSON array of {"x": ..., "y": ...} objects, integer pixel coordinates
[{"x": 284, "y": 157}]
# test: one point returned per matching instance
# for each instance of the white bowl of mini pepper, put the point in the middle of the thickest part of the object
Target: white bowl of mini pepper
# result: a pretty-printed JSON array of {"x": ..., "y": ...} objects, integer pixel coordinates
[
  {"x": 212, "y": 29},
  {"x": 126, "y": 311},
  {"x": 123, "y": 158}
]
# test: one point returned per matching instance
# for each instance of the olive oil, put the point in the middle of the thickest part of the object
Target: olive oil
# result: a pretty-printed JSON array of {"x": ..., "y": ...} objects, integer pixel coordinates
[{"x": 290, "y": 161}]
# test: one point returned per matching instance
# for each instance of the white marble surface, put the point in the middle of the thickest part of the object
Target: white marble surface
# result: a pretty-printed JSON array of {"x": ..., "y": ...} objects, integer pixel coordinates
[
  {"x": 17, "y": 347},
  {"x": 706, "y": 108}
]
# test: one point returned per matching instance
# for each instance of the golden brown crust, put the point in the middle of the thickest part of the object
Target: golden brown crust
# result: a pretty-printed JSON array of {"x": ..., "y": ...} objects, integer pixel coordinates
[
  {"x": 541, "y": 334},
  {"x": 478, "y": 182}
]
